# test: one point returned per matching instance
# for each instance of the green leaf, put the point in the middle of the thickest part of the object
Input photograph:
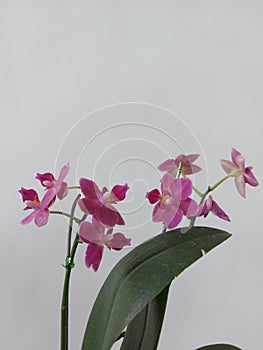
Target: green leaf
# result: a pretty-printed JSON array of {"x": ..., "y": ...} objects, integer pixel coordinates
[
  {"x": 143, "y": 331},
  {"x": 140, "y": 276},
  {"x": 219, "y": 347}
]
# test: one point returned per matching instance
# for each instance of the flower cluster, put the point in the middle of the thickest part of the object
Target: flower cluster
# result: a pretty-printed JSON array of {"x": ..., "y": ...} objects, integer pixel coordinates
[
  {"x": 54, "y": 188},
  {"x": 99, "y": 204},
  {"x": 171, "y": 202}
]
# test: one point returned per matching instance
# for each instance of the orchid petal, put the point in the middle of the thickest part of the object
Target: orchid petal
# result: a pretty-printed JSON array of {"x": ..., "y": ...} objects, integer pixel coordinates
[
  {"x": 153, "y": 196},
  {"x": 45, "y": 177},
  {"x": 234, "y": 155},
  {"x": 240, "y": 185},
  {"x": 41, "y": 217},
  {"x": 176, "y": 220},
  {"x": 167, "y": 182},
  {"x": 167, "y": 165},
  {"x": 106, "y": 216},
  {"x": 29, "y": 194},
  {"x": 93, "y": 256},
  {"x": 89, "y": 233},
  {"x": 63, "y": 190},
  {"x": 88, "y": 206},
  {"x": 216, "y": 210},
  {"x": 89, "y": 189},
  {"x": 228, "y": 166},
  {"x": 190, "y": 169},
  {"x": 63, "y": 173},
  {"x": 181, "y": 189},
  {"x": 28, "y": 219},
  {"x": 48, "y": 198},
  {"x": 157, "y": 213},
  {"x": 118, "y": 241},
  {"x": 169, "y": 214},
  {"x": 189, "y": 207},
  {"x": 119, "y": 191},
  {"x": 249, "y": 177}
]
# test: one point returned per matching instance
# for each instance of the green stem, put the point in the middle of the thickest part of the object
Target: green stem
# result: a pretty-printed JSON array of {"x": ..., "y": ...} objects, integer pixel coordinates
[
  {"x": 200, "y": 194},
  {"x": 224, "y": 179},
  {"x": 73, "y": 187},
  {"x": 71, "y": 222},
  {"x": 192, "y": 220},
  {"x": 65, "y": 214},
  {"x": 65, "y": 297}
]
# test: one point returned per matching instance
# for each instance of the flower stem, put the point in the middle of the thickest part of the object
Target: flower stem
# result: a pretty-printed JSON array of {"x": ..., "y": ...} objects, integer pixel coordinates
[
  {"x": 65, "y": 214},
  {"x": 73, "y": 187},
  {"x": 65, "y": 297},
  {"x": 234, "y": 173},
  {"x": 192, "y": 220},
  {"x": 69, "y": 265},
  {"x": 71, "y": 222}
]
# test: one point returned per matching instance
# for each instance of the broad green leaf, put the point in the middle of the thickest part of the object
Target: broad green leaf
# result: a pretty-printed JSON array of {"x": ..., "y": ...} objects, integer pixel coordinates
[
  {"x": 143, "y": 331},
  {"x": 219, "y": 347},
  {"x": 140, "y": 276}
]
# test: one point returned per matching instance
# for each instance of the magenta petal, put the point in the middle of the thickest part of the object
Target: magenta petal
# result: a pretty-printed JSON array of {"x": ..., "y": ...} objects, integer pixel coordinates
[
  {"x": 153, "y": 196},
  {"x": 189, "y": 207},
  {"x": 169, "y": 214},
  {"x": 190, "y": 158},
  {"x": 167, "y": 165},
  {"x": 29, "y": 195},
  {"x": 118, "y": 241},
  {"x": 216, "y": 210},
  {"x": 119, "y": 191},
  {"x": 63, "y": 173},
  {"x": 48, "y": 198},
  {"x": 41, "y": 217},
  {"x": 191, "y": 169},
  {"x": 234, "y": 155},
  {"x": 45, "y": 177},
  {"x": 157, "y": 215},
  {"x": 182, "y": 189},
  {"x": 93, "y": 256},
  {"x": 28, "y": 218},
  {"x": 249, "y": 177},
  {"x": 206, "y": 207},
  {"x": 176, "y": 220},
  {"x": 88, "y": 206},
  {"x": 106, "y": 216},
  {"x": 91, "y": 233},
  {"x": 89, "y": 189},
  {"x": 167, "y": 183},
  {"x": 228, "y": 166},
  {"x": 63, "y": 191},
  {"x": 240, "y": 185}
]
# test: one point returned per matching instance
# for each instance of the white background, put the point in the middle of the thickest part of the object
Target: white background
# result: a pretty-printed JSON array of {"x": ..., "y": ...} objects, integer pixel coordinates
[{"x": 60, "y": 61}]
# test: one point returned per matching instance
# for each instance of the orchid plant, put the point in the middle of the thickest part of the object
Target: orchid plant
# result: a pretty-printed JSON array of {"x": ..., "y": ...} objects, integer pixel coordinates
[{"x": 131, "y": 304}]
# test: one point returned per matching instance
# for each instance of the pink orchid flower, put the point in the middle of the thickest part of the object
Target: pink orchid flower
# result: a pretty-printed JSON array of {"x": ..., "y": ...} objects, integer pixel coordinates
[
  {"x": 173, "y": 202},
  {"x": 99, "y": 203},
  {"x": 94, "y": 235},
  {"x": 210, "y": 205},
  {"x": 40, "y": 208},
  {"x": 48, "y": 180},
  {"x": 237, "y": 169},
  {"x": 171, "y": 166}
]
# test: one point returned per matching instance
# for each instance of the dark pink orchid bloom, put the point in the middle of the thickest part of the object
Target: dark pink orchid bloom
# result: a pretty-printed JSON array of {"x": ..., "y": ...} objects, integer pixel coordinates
[
  {"x": 211, "y": 206},
  {"x": 48, "y": 180},
  {"x": 40, "y": 208},
  {"x": 94, "y": 235},
  {"x": 171, "y": 165},
  {"x": 99, "y": 203},
  {"x": 173, "y": 202},
  {"x": 237, "y": 169}
]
